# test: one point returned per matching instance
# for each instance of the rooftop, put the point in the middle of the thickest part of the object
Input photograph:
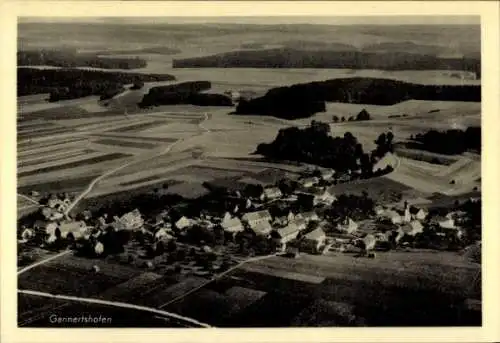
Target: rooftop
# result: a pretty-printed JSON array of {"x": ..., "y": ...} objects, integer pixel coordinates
[{"x": 315, "y": 234}]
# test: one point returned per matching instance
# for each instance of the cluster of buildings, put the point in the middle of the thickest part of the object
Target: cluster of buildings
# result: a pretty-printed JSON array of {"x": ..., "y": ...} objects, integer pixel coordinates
[{"x": 303, "y": 230}]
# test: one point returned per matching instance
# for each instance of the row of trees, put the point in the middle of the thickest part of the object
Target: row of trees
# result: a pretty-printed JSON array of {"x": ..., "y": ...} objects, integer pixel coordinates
[
  {"x": 361, "y": 116},
  {"x": 449, "y": 142}
]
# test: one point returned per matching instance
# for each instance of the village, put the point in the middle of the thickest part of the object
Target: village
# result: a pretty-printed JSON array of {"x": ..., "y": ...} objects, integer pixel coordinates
[{"x": 287, "y": 218}]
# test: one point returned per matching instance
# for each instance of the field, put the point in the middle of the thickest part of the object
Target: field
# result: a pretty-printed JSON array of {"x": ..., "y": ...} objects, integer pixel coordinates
[
  {"x": 282, "y": 290},
  {"x": 382, "y": 189},
  {"x": 189, "y": 145},
  {"x": 421, "y": 288}
]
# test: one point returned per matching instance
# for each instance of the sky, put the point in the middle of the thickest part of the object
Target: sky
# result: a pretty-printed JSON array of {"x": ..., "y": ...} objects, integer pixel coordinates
[{"x": 326, "y": 20}]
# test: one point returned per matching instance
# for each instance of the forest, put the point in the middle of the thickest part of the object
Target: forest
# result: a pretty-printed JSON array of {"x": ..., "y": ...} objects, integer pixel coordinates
[
  {"x": 306, "y": 99},
  {"x": 348, "y": 59},
  {"x": 184, "y": 93},
  {"x": 71, "y": 58},
  {"x": 449, "y": 142},
  {"x": 314, "y": 145},
  {"x": 64, "y": 84}
]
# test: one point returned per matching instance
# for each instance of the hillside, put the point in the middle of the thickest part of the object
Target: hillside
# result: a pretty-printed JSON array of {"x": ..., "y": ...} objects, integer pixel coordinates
[{"x": 295, "y": 58}]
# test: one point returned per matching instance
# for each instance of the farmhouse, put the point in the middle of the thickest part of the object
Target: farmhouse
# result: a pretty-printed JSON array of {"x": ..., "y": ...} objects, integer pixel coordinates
[
  {"x": 270, "y": 193},
  {"x": 313, "y": 240},
  {"x": 285, "y": 235},
  {"x": 348, "y": 225},
  {"x": 263, "y": 228},
  {"x": 162, "y": 235},
  {"x": 231, "y": 225},
  {"x": 323, "y": 197},
  {"x": 183, "y": 223},
  {"x": 254, "y": 218}
]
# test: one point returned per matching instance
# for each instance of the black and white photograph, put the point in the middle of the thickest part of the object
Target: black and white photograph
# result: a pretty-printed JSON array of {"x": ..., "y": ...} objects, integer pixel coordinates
[{"x": 249, "y": 172}]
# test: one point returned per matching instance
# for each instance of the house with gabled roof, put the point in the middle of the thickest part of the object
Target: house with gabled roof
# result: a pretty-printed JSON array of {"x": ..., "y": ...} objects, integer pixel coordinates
[
  {"x": 285, "y": 234},
  {"x": 262, "y": 228},
  {"x": 313, "y": 240},
  {"x": 270, "y": 193},
  {"x": 253, "y": 218},
  {"x": 232, "y": 224},
  {"x": 316, "y": 195},
  {"x": 162, "y": 235},
  {"x": 183, "y": 223}
]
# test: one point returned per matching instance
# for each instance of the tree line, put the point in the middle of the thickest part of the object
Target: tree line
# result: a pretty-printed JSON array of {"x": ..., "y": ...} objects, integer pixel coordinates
[
  {"x": 75, "y": 83},
  {"x": 300, "y": 58},
  {"x": 449, "y": 142},
  {"x": 71, "y": 58},
  {"x": 304, "y": 100},
  {"x": 189, "y": 93}
]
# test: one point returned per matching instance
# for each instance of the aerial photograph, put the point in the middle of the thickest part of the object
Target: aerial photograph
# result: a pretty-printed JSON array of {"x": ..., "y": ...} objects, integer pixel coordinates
[{"x": 248, "y": 172}]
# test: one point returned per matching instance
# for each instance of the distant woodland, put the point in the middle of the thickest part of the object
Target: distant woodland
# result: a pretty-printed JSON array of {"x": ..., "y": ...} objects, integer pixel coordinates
[
  {"x": 303, "y": 100},
  {"x": 70, "y": 58},
  {"x": 161, "y": 50},
  {"x": 450, "y": 142},
  {"x": 184, "y": 93},
  {"x": 64, "y": 84},
  {"x": 296, "y": 58}
]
